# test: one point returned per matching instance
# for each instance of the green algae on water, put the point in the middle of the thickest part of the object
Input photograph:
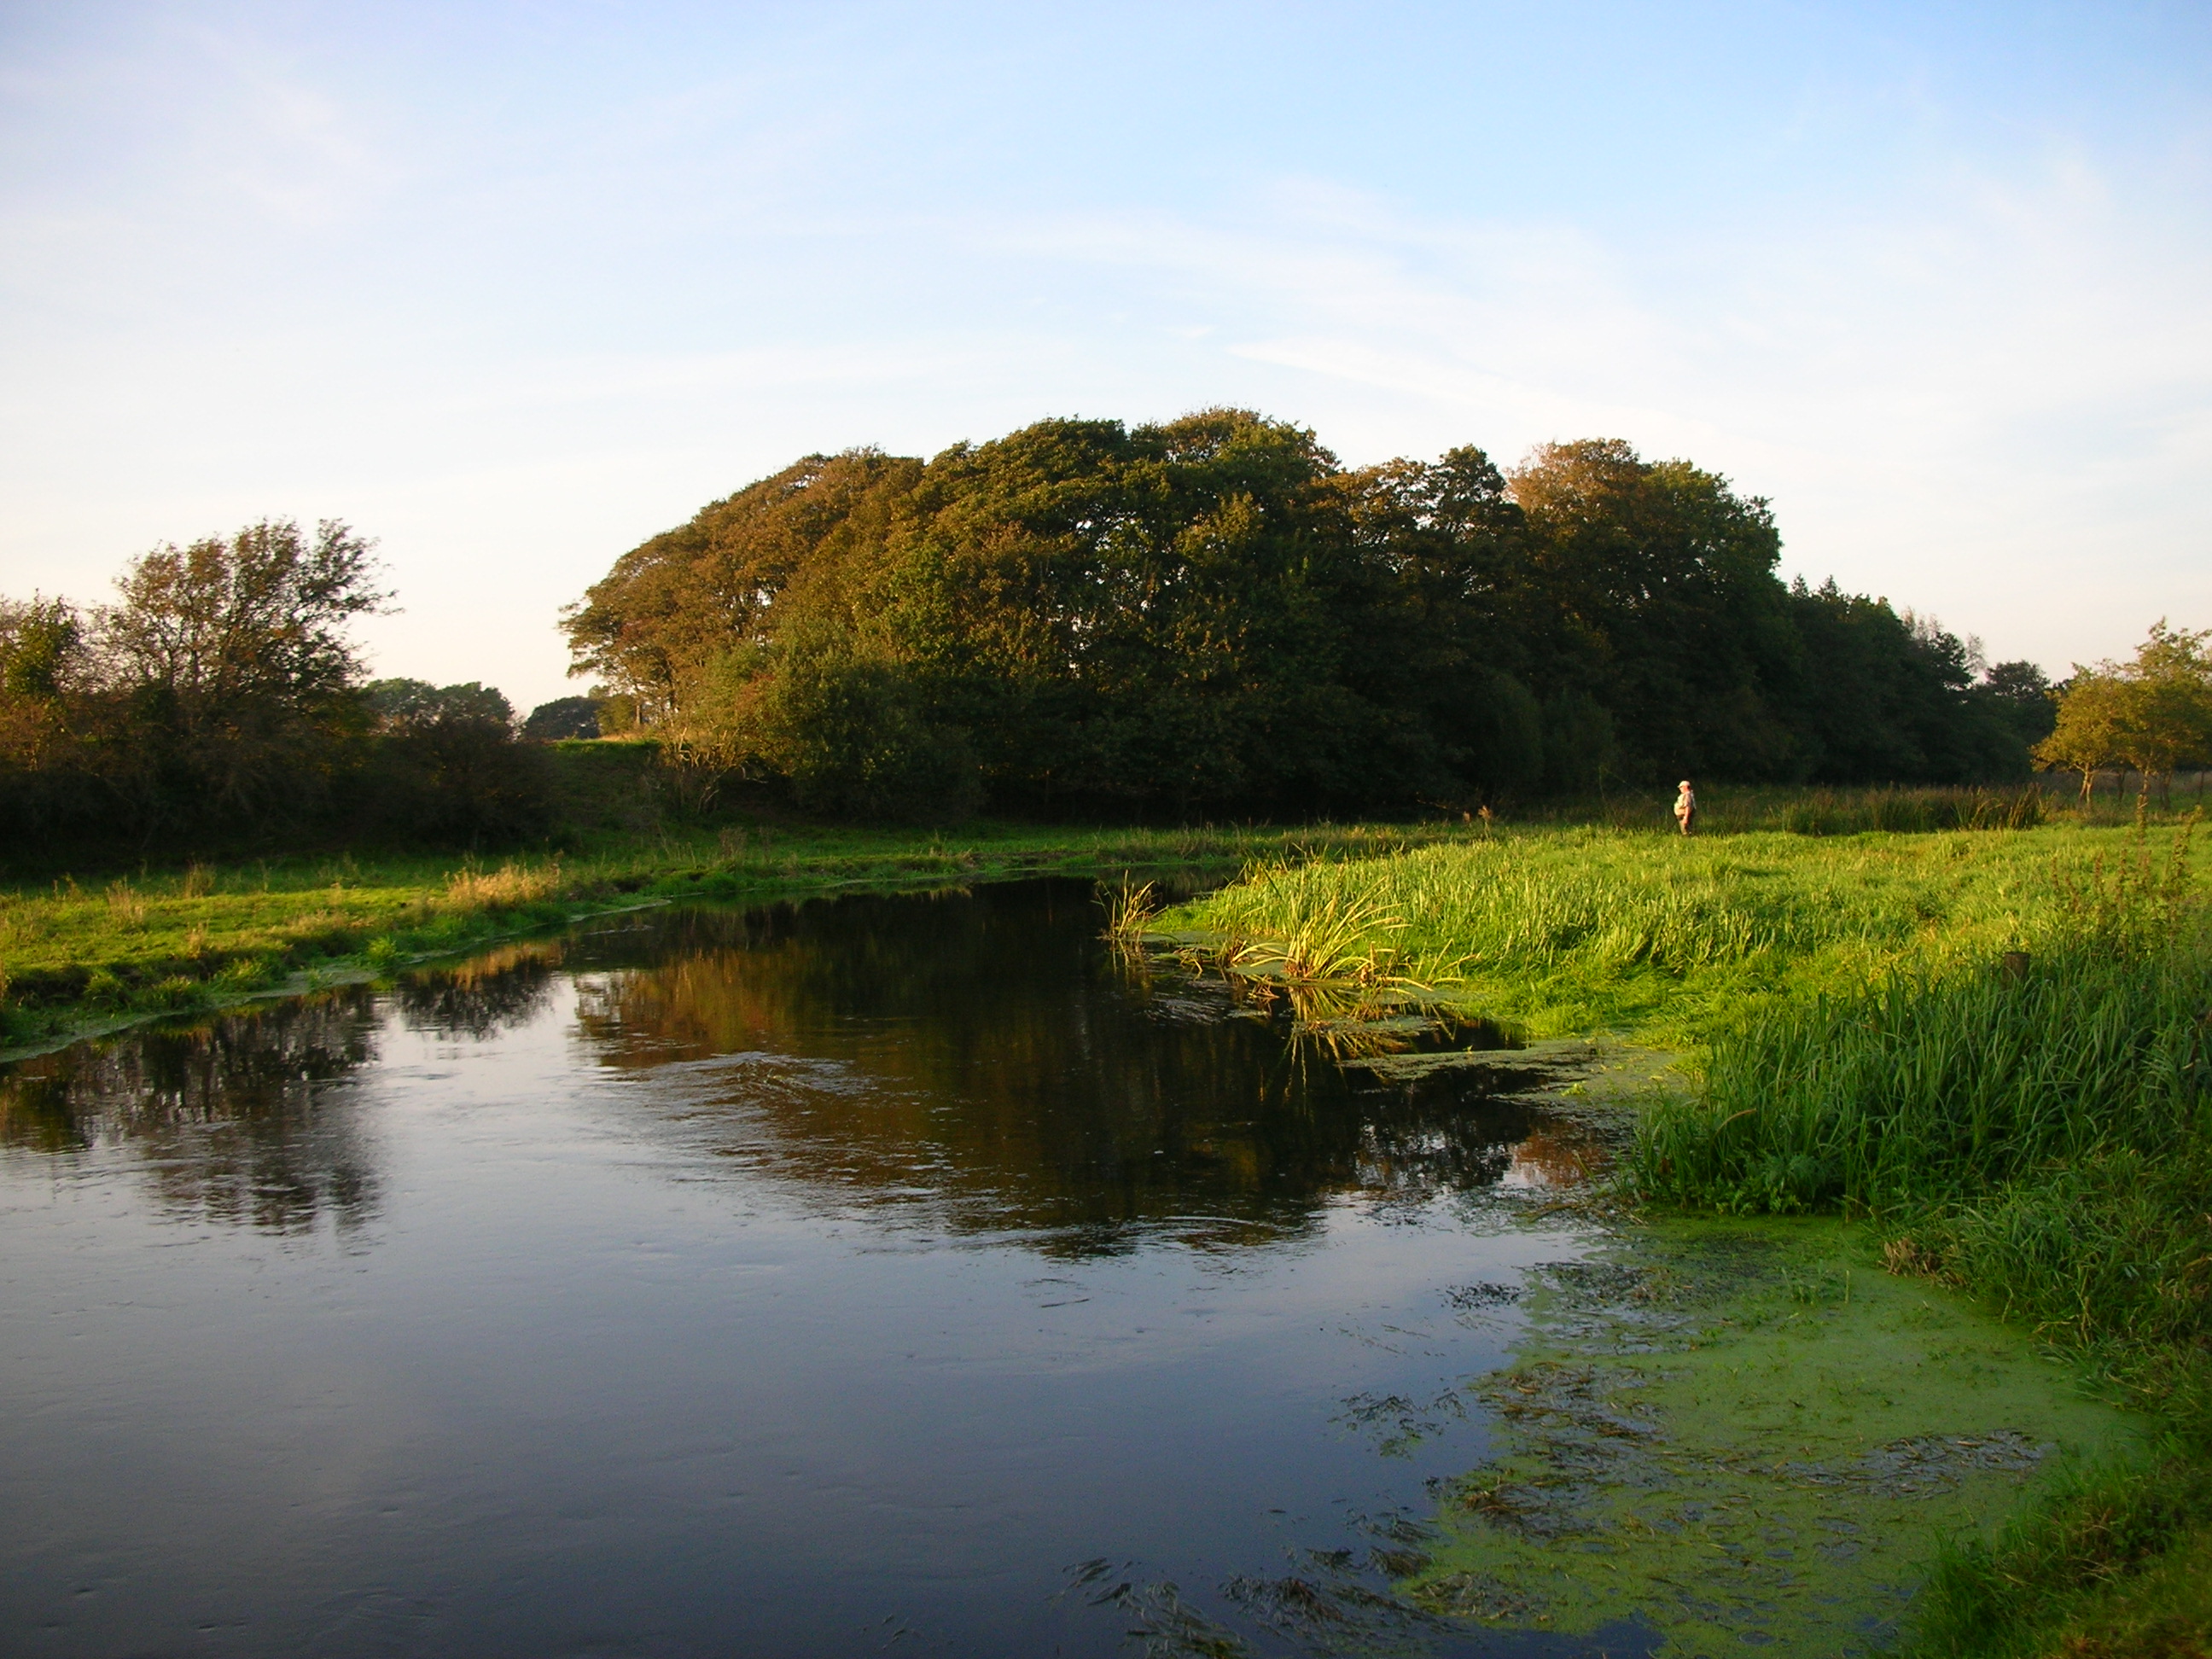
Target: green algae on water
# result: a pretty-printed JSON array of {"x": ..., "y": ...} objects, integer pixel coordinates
[{"x": 1745, "y": 1433}]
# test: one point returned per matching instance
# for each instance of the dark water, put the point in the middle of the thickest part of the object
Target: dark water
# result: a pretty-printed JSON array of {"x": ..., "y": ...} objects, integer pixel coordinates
[{"x": 883, "y": 1273}]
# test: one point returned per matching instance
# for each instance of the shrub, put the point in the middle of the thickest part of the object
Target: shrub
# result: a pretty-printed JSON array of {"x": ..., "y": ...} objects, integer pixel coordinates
[
  {"x": 852, "y": 736},
  {"x": 456, "y": 777}
]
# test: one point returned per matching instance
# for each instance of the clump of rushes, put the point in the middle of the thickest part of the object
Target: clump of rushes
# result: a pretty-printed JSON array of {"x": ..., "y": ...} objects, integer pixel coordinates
[
  {"x": 1314, "y": 933},
  {"x": 1129, "y": 911},
  {"x": 2037, "y": 1130}
]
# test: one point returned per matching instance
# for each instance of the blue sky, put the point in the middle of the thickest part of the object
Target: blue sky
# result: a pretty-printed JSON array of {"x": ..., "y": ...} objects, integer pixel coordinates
[{"x": 512, "y": 287}]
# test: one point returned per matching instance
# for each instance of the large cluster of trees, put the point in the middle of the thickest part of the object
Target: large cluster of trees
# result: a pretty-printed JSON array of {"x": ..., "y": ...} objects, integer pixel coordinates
[
  {"x": 1207, "y": 616},
  {"x": 1213, "y": 615},
  {"x": 220, "y": 700}
]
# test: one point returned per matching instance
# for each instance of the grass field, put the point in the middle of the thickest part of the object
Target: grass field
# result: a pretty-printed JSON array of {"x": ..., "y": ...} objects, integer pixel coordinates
[
  {"x": 83, "y": 949},
  {"x": 2038, "y": 1131}
]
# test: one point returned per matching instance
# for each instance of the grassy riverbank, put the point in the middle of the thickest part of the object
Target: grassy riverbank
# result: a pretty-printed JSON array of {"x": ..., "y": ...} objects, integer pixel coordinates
[
  {"x": 2037, "y": 1131},
  {"x": 85, "y": 948},
  {"x": 1994, "y": 1050},
  {"x": 1666, "y": 941},
  {"x": 79, "y": 953}
]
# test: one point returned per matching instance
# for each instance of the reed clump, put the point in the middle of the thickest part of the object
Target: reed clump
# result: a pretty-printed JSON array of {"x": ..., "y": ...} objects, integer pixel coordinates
[
  {"x": 1316, "y": 933},
  {"x": 1129, "y": 912}
]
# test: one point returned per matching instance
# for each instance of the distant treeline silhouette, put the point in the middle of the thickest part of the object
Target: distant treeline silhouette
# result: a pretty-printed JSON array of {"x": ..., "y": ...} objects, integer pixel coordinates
[{"x": 1212, "y": 615}]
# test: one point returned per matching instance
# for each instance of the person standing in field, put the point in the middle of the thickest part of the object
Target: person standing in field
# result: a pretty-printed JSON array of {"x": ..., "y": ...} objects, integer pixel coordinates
[{"x": 1685, "y": 806}]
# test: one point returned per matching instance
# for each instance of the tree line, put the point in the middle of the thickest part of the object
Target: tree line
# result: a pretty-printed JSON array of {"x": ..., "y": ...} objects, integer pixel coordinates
[
  {"x": 219, "y": 700},
  {"x": 1210, "y": 616},
  {"x": 1213, "y": 615}
]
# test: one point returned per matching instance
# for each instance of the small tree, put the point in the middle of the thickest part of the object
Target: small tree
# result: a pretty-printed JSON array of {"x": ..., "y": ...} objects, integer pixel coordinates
[
  {"x": 41, "y": 662},
  {"x": 45, "y": 781},
  {"x": 2169, "y": 703},
  {"x": 2090, "y": 715},
  {"x": 2152, "y": 714}
]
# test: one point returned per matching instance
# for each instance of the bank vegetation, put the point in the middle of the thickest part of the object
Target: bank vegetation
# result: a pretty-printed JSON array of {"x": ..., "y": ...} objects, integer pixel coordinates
[{"x": 1992, "y": 1049}]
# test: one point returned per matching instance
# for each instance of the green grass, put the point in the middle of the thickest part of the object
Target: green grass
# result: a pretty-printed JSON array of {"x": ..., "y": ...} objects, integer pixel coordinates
[
  {"x": 2114, "y": 1561},
  {"x": 2038, "y": 1128},
  {"x": 1663, "y": 941},
  {"x": 2038, "y": 1131},
  {"x": 82, "y": 948}
]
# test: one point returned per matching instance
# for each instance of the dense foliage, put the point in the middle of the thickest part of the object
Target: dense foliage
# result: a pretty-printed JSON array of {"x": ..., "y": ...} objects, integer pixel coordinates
[
  {"x": 1209, "y": 616},
  {"x": 1213, "y": 614},
  {"x": 219, "y": 702}
]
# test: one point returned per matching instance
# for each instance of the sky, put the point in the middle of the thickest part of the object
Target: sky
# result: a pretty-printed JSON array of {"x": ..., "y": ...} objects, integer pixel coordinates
[{"x": 512, "y": 287}]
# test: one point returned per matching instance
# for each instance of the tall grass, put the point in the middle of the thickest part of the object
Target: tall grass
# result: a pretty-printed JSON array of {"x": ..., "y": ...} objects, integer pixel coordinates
[
  {"x": 1912, "y": 812},
  {"x": 1673, "y": 941},
  {"x": 2033, "y": 1119},
  {"x": 1735, "y": 810},
  {"x": 1129, "y": 910},
  {"x": 1997, "y": 1045},
  {"x": 511, "y": 884},
  {"x": 1322, "y": 933},
  {"x": 2037, "y": 1129},
  {"x": 2109, "y": 1563}
]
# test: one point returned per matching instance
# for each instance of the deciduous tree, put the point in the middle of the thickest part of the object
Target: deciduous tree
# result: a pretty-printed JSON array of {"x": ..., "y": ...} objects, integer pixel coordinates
[
  {"x": 233, "y": 663},
  {"x": 2152, "y": 714}
]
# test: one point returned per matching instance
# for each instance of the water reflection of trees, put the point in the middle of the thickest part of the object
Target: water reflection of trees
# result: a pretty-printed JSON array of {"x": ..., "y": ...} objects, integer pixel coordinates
[
  {"x": 978, "y": 1055},
  {"x": 234, "y": 1118},
  {"x": 501, "y": 990},
  {"x": 230, "y": 1119},
  {"x": 983, "y": 1055}
]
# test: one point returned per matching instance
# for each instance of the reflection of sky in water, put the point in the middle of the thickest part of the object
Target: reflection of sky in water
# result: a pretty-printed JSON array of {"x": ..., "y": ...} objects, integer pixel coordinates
[{"x": 787, "y": 1281}]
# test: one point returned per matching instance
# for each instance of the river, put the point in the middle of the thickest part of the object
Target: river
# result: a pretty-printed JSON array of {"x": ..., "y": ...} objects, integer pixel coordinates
[{"x": 898, "y": 1273}]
